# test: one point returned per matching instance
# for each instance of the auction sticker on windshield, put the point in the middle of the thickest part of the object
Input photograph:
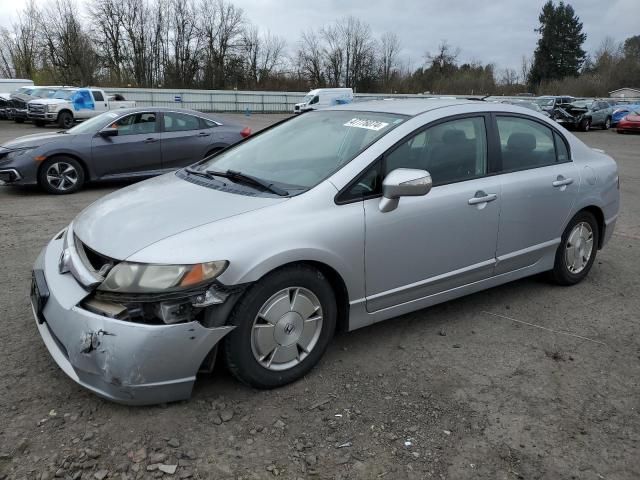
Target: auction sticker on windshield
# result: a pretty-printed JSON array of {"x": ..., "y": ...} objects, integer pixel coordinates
[{"x": 368, "y": 124}]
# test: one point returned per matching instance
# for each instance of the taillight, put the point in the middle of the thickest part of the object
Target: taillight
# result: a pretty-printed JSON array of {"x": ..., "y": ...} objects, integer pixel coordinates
[{"x": 246, "y": 131}]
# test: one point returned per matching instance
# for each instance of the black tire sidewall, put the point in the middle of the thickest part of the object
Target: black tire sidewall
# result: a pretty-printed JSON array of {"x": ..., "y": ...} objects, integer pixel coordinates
[
  {"x": 237, "y": 345},
  {"x": 42, "y": 173},
  {"x": 560, "y": 272},
  {"x": 607, "y": 124},
  {"x": 61, "y": 118}
]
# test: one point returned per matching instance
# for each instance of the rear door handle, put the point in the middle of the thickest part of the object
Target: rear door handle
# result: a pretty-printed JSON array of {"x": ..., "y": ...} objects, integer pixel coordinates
[
  {"x": 482, "y": 197},
  {"x": 562, "y": 181},
  {"x": 150, "y": 140}
]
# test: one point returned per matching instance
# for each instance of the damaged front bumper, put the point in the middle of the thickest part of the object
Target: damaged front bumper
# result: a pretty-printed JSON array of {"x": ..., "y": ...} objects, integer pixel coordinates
[{"x": 126, "y": 362}]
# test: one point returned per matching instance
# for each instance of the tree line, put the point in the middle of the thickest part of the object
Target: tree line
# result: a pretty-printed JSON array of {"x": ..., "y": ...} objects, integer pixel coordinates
[{"x": 212, "y": 44}]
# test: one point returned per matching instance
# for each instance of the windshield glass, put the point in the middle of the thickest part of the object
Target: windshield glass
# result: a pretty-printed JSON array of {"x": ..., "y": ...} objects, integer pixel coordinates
[
  {"x": 94, "y": 124},
  {"x": 582, "y": 103},
  {"x": 305, "y": 150},
  {"x": 307, "y": 98},
  {"x": 545, "y": 102},
  {"x": 64, "y": 94}
]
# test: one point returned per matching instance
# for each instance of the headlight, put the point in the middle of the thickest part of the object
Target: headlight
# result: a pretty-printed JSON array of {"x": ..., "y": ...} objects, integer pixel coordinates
[
  {"x": 20, "y": 151},
  {"x": 145, "y": 278},
  {"x": 52, "y": 108}
]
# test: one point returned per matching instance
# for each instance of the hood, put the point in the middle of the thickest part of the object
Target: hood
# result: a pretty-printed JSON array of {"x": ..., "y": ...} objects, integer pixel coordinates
[
  {"x": 137, "y": 216},
  {"x": 37, "y": 140},
  {"x": 49, "y": 101}
]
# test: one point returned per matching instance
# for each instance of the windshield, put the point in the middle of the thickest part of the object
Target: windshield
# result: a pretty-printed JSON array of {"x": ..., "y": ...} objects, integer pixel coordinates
[
  {"x": 582, "y": 103},
  {"x": 545, "y": 102},
  {"x": 64, "y": 94},
  {"x": 94, "y": 124},
  {"x": 307, "y": 98},
  {"x": 305, "y": 150}
]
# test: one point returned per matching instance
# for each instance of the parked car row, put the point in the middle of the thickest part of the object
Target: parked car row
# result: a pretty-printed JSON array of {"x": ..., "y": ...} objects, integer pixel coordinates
[{"x": 58, "y": 104}]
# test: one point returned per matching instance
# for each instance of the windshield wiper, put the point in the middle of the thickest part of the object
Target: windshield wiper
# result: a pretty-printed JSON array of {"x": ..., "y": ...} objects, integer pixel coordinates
[{"x": 243, "y": 177}]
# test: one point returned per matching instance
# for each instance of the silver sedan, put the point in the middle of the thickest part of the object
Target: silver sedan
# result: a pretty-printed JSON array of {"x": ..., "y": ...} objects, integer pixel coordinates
[{"x": 335, "y": 219}]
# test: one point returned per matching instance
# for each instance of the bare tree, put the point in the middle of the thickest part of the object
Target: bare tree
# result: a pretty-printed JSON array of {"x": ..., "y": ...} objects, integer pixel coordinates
[
  {"x": 525, "y": 68},
  {"x": 309, "y": 58},
  {"x": 20, "y": 46},
  {"x": 263, "y": 54},
  {"x": 107, "y": 17},
  {"x": 508, "y": 77},
  {"x": 444, "y": 59},
  {"x": 389, "y": 50},
  {"x": 333, "y": 54}
]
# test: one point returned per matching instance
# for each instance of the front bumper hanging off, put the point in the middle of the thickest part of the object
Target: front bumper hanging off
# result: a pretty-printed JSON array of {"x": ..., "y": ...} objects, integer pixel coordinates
[{"x": 127, "y": 362}]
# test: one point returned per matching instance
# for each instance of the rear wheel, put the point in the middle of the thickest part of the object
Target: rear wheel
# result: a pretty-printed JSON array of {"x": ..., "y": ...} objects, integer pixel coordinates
[
  {"x": 607, "y": 124},
  {"x": 283, "y": 326},
  {"x": 577, "y": 250},
  {"x": 61, "y": 175},
  {"x": 65, "y": 120}
]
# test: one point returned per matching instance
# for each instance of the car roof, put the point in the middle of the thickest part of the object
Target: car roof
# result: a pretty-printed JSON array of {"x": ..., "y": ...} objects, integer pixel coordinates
[{"x": 410, "y": 106}]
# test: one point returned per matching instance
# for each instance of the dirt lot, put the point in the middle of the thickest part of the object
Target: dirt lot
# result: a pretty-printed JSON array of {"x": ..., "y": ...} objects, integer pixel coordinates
[{"x": 467, "y": 389}]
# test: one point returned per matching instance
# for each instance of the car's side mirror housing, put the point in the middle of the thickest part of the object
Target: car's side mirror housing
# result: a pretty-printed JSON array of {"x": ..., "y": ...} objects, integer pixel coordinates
[
  {"x": 109, "y": 132},
  {"x": 403, "y": 182}
]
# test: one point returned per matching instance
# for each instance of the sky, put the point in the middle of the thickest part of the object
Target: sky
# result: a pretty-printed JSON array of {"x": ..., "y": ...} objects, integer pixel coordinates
[{"x": 489, "y": 31}]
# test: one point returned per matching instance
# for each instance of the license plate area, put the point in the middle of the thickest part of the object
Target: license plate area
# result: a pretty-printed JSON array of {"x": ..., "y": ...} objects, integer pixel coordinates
[{"x": 39, "y": 293}]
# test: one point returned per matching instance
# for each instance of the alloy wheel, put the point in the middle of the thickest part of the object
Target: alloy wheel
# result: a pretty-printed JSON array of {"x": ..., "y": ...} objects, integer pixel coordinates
[
  {"x": 579, "y": 248},
  {"x": 62, "y": 176},
  {"x": 286, "y": 328}
]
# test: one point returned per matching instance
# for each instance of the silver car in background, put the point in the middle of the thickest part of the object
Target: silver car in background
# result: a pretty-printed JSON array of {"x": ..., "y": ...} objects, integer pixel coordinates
[{"x": 335, "y": 219}]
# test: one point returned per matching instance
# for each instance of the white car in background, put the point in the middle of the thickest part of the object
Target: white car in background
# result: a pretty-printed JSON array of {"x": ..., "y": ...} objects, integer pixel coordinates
[{"x": 324, "y": 97}]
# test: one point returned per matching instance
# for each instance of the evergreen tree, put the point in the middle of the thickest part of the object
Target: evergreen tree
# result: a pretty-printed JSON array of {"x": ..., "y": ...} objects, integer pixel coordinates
[{"x": 559, "y": 53}]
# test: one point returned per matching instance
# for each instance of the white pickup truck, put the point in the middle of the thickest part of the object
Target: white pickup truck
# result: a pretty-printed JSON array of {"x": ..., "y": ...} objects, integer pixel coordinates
[{"x": 70, "y": 105}]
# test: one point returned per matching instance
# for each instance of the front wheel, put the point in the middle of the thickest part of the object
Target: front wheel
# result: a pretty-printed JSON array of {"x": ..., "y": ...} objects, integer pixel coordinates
[
  {"x": 585, "y": 125},
  {"x": 607, "y": 124},
  {"x": 65, "y": 120},
  {"x": 61, "y": 175},
  {"x": 577, "y": 250},
  {"x": 284, "y": 324}
]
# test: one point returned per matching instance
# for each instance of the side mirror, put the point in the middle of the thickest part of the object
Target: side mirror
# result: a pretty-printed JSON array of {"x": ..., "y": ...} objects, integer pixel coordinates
[
  {"x": 403, "y": 182},
  {"x": 109, "y": 132}
]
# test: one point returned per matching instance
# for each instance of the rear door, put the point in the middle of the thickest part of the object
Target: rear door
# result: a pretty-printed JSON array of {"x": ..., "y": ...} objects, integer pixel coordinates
[
  {"x": 539, "y": 185},
  {"x": 135, "y": 150},
  {"x": 100, "y": 102},
  {"x": 185, "y": 139}
]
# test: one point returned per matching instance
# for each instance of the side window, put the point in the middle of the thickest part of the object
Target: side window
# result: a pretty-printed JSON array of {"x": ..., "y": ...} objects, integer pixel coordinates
[
  {"x": 206, "y": 123},
  {"x": 525, "y": 144},
  {"x": 367, "y": 184},
  {"x": 562, "y": 153},
  {"x": 314, "y": 100},
  {"x": 180, "y": 122},
  {"x": 136, "y": 124},
  {"x": 97, "y": 96},
  {"x": 453, "y": 151}
]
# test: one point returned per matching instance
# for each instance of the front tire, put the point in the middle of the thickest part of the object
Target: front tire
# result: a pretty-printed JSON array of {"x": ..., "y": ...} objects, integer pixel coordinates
[
  {"x": 65, "y": 120},
  {"x": 607, "y": 124},
  {"x": 284, "y": 324},
  {"x": 577, "y": 250},
  {"x": 585, "y": 125},
  {"x": 61, "y": 175}
]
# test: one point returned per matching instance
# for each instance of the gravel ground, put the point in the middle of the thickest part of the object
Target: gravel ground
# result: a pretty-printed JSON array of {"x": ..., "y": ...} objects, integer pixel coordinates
[{"x": 468, "y": 389}]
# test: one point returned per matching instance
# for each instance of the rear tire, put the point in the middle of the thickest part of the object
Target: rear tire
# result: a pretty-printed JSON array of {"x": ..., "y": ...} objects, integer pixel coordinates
[
  {"x": 65, "y": 120},
  {"x": 61, "y": 175},
  {"x": 284, "y": 324},
  {"x": 577, "y": 250}
]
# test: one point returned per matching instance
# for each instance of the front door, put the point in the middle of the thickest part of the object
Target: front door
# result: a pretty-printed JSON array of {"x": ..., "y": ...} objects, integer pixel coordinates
[
  {"x": 135, "y": 150},
  {"x": 539, "y": 187},
  {"x": 444, "y": 239}
]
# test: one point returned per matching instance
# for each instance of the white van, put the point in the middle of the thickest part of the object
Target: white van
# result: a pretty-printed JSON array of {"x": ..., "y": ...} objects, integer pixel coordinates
[
  {"x": 9, "y": 85},
  {"x": 324, "y": 97}
]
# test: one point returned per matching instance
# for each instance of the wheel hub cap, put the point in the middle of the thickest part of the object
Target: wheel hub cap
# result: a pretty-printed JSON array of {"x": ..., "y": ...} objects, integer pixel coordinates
[
  {"x": 286, "y": 328},
  {"x": 579, "y": 247},
  {"x": 62, "y": 176}
]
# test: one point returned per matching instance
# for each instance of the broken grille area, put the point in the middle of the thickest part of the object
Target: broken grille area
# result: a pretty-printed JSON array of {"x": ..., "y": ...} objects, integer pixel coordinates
[{"x": 93, "y": 260}]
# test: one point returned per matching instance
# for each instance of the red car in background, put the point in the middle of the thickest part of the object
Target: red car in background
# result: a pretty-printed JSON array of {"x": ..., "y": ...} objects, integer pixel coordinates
[{"x": 630, "y": 123}]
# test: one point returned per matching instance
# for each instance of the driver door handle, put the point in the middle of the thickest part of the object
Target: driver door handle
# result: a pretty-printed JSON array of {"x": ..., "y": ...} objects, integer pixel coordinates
[
  {"x": 482, "y": 197},
  {"x": 203, "y": 134},
  {"x": 151, "y": 140},
  {"x": 562, "y": 181}
]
